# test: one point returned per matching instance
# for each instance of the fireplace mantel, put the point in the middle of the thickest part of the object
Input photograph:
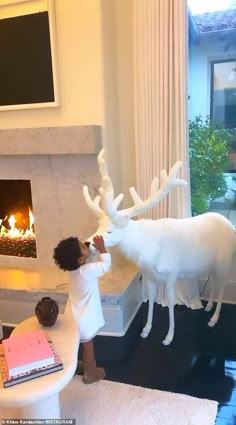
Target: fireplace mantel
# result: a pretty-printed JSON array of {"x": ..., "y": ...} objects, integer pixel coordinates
[{"x": 69, "y": 140}]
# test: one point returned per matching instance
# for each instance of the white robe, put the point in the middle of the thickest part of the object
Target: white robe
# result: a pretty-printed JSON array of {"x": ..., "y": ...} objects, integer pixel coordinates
[{"x": 84, "y": 296}]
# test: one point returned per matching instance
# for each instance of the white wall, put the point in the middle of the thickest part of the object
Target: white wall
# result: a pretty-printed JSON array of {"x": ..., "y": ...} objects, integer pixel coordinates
[
  {"x": 94, "y": 44},
  {"x": 124, "y": 13},
  {"x": 118, "y": 134},
  {"x": 78, "y": 25},
  {"x": 118, "y": 131}
]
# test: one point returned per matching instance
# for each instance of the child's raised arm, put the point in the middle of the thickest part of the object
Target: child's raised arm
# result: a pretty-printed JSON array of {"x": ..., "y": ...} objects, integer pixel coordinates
[
  {"x": 103, "y": 265},
  {"x": 98, "y": 242}
]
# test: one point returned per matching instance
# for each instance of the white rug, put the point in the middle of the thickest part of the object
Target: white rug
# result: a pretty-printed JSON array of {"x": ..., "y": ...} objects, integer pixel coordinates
[{"x": 112, "y": 403}]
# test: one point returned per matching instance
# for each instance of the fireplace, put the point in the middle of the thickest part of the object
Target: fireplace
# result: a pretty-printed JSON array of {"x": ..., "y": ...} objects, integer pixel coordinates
[
  {"x": 17, "y": 235},
  {"x": 42, "y": 173},
  {"x": 52, "y": 165}
]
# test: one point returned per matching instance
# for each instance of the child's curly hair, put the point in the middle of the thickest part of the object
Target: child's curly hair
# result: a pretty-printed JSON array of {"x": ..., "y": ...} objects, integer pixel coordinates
[{"x": 67, "y": 253}]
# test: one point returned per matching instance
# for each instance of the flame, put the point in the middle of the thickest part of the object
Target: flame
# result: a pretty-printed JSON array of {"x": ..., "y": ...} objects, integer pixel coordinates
[{"x": 14, "y": 231}]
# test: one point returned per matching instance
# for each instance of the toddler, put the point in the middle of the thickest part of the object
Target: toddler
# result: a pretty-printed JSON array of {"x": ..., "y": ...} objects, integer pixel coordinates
[{"x": 84, "y": 297}]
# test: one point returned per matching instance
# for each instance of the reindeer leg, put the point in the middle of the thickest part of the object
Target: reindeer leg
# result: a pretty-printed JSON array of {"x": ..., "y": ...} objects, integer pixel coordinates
[
  {"x": 220, "y": 280},
  {"x": 212, "y": 296},
  {"x": 170, "y": 286},
  {"x": 151, "y": 295}
]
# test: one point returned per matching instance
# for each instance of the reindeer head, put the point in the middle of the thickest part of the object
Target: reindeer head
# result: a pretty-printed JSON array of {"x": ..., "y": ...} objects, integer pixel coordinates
[{"x": 112, "y": 223}]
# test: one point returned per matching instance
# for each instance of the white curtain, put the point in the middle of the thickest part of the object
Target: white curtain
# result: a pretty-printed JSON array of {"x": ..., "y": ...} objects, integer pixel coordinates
[{"x": 160, "y": 102}]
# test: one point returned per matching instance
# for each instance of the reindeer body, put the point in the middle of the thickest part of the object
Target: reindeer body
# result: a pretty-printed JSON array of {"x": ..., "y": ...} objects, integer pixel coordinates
[
  {"x": 188, "y": 246},
  {"x": 167, "y": 249}
]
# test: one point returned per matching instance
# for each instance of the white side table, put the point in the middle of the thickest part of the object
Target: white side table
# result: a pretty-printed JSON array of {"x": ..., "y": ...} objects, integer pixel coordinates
[{"x": 39, "y": 398}]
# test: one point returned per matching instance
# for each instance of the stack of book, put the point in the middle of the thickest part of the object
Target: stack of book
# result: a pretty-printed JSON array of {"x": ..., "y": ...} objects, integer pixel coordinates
[{"x": 27, "y": 356}]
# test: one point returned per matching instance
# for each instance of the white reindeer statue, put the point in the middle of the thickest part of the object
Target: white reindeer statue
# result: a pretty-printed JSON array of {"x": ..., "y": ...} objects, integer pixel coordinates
[{"x": 167, "y": 248}]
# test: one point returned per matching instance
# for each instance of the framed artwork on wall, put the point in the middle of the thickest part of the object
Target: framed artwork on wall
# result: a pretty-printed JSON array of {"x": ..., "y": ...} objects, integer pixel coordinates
[{"x": 28, "y": 55}]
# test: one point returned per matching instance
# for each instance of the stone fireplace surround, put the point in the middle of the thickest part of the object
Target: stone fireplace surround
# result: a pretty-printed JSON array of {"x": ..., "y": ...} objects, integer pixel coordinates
[{"x": 58, "y": 161}]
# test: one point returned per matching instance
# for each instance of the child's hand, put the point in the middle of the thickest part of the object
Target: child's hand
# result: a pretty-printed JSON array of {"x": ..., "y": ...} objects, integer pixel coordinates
[{"x": 98, "y": 242}]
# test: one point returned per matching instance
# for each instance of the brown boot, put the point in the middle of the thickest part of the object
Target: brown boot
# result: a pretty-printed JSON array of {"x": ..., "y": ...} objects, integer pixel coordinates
[{"x": 92, "y": 373}]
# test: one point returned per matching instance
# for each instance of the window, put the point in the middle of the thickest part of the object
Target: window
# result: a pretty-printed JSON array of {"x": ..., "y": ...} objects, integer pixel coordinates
[
  {"x": 223, "y": 93},
  {"x": 212, "y": 106}
]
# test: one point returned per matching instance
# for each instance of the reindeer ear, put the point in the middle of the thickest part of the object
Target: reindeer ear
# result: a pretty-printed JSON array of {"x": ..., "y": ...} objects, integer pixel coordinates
[{"x": 121, "y": 221}]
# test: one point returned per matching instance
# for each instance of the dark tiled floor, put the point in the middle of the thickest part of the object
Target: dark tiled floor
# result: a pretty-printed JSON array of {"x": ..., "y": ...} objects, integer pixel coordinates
[{"x": 201, "y": 361}]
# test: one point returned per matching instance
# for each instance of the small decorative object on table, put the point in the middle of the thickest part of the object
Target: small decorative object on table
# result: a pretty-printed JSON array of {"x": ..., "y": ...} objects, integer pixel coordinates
[{"x": 46, "y": 311}]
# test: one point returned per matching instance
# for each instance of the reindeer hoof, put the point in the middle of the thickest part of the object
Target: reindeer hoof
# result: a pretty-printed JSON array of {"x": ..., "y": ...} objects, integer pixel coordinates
[
  {"x": 211, "y": 324},
  {"x": 166, "y": 342},
  {"x": 144, "y": 334},
  {"x": 209, "y": 307}
]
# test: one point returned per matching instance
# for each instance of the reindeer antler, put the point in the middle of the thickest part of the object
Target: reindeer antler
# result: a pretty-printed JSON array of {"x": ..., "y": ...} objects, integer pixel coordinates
[
  {"x": 111, "y": 204},
  {"x": 168, "y": 182},
  {"x": 106, "y": 190},
  {"x": 93, "y": 204}
]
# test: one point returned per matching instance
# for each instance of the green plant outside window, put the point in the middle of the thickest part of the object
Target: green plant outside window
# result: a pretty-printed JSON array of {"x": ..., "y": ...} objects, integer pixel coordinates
[{"x": 209, "y": 150}]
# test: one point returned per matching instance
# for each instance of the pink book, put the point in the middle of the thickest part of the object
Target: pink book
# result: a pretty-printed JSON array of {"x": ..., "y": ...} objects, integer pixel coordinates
[
  {"x": 8, "y": 381},
  {"x": 27, "y": 351}
]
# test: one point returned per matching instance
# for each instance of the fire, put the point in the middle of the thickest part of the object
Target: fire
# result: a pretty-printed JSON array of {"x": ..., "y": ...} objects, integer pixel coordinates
[{"x": 15, "y": 231}]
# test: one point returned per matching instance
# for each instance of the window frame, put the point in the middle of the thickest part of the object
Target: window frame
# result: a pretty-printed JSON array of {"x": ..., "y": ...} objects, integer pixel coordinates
[{"x": 212, "y": 63}]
